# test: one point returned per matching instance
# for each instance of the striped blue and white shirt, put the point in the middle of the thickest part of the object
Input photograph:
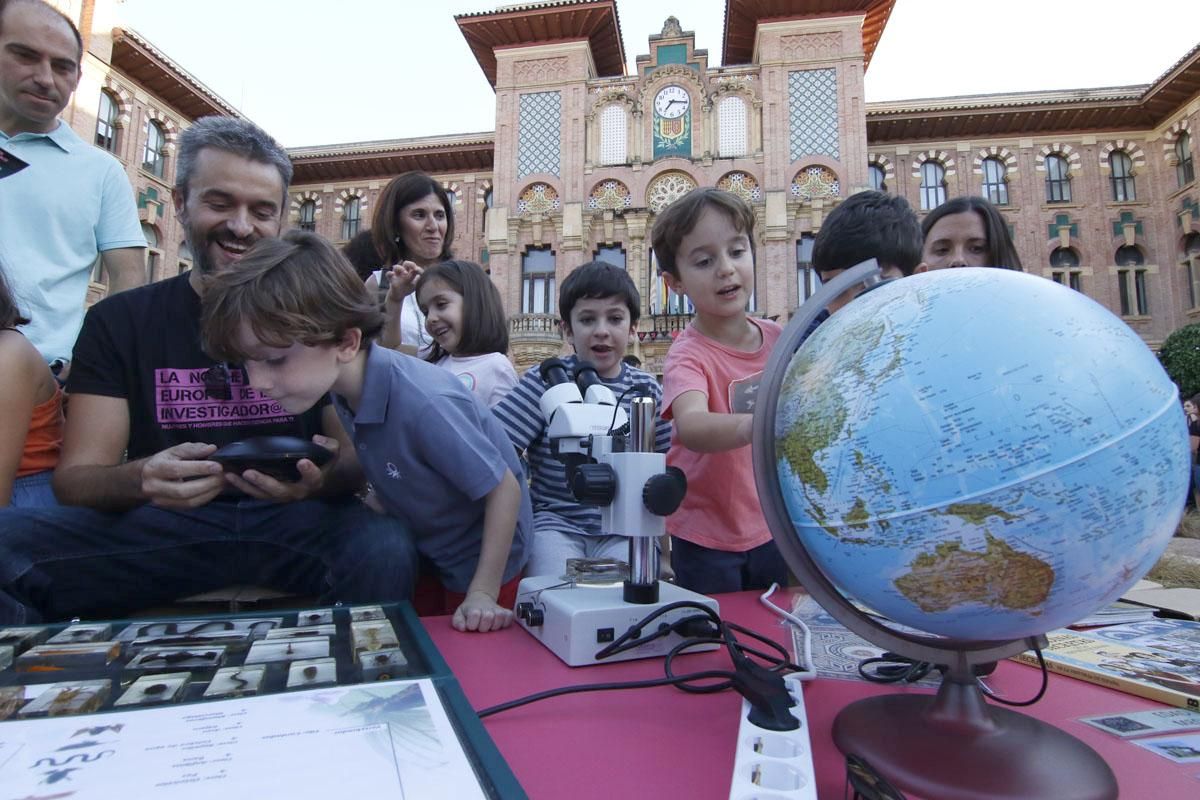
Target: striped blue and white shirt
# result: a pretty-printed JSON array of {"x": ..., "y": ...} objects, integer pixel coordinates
[{"x": 554, "y": 507}]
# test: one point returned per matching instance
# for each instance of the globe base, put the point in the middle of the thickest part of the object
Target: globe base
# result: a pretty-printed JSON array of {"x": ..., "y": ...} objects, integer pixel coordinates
[{"x": 955, "y": 745}]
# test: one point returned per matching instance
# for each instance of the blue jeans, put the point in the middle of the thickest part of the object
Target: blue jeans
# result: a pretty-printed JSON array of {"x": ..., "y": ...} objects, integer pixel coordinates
[
  {"x": 709, "y": 571},
  {"x": 59, "y": 563},
  {"x": 33, "y": 491}
]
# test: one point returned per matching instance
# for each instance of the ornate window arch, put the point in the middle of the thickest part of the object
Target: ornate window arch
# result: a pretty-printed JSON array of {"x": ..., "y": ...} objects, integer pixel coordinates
[
  {"x": 352, "y": 205},
  {"x": 667, "y": 188},
  {"x": 995, "y": 165},
  {"x": 483, "y": 193},
  {"x": 306, "y": 207},
  {"x": 538, "y": 198},
  {"x": 1121, "y": 176},
  {"x": 815, "y": 181},
  {"x": 154, "y": 150},
  {"x": 743, "y": 184},
  {"x": 881, "y": 173},
  {"x": 610, "y": 194},
  {"x": 1059, "y": 162},
  {"x": 933, "y": 168},
  {"x": 106, "y": 121},
  {"x": 1177, "y": 149}
]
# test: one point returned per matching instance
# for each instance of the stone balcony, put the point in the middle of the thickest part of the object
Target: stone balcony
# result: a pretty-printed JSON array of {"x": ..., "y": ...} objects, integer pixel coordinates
[{"x": 533, "y": 338}]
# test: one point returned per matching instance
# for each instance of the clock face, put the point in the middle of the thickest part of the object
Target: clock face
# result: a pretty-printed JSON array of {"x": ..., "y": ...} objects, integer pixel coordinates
[{"x": 672, "y": 102}]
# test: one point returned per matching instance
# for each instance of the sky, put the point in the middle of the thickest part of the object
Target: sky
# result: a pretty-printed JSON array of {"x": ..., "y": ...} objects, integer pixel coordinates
[{"x": 322, "y": 72}]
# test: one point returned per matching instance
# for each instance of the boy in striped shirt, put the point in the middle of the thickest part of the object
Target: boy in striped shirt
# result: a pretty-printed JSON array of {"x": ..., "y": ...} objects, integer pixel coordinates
[{"x": 599, "y": 307}]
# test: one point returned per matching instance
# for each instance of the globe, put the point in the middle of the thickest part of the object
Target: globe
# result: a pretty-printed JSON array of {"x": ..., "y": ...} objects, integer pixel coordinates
[{"x": 980, "y": 454}]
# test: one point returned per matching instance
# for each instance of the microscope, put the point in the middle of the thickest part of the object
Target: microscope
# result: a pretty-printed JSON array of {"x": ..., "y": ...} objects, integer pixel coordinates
[{"x": 611, "y": 464}]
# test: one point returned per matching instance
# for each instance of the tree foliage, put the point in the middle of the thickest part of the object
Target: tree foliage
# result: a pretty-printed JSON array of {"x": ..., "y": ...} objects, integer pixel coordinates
[{"x": 1180, "y": 357}]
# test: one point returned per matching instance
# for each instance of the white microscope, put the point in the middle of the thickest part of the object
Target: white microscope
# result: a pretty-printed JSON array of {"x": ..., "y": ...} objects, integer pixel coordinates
[{"x": 635, "y": 491}]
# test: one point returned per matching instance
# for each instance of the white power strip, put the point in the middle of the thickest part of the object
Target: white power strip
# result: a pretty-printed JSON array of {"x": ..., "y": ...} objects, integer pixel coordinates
[{"x": 774, "y": 764}]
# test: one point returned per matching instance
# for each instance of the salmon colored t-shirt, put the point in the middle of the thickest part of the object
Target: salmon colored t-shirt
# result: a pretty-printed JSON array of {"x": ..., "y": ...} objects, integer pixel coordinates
[{"x": 721, "y": 510}]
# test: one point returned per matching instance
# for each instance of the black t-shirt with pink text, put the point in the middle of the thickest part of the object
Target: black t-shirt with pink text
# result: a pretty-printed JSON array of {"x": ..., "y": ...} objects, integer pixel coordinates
[{"x": 144, "y": 345}]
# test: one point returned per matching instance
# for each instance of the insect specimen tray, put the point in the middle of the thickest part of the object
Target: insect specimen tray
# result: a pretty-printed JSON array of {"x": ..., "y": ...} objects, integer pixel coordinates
[{"x": 192, "y": 704}]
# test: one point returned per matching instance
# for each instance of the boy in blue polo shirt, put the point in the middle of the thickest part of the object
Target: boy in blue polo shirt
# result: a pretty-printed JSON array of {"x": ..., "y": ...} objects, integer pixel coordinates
[{"x": 294, "y": 313}]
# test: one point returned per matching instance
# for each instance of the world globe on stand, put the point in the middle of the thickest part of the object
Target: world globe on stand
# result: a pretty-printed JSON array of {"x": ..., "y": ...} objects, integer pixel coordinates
[{"x": 981, "y": 455}]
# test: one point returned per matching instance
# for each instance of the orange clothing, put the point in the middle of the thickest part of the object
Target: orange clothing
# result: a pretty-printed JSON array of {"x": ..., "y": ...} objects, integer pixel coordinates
[{"x": 44, "y": 440}]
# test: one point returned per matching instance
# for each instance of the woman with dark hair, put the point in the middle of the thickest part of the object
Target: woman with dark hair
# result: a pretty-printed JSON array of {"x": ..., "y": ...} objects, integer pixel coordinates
[
  {"x": 31, "y": 407},
  {"x": 413, "y": 228},
  {"x": 967, "y": 232}
]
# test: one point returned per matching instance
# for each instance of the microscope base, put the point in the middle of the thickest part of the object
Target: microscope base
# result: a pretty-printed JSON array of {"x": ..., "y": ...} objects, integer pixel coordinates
[{"x": 578, "y": 621}]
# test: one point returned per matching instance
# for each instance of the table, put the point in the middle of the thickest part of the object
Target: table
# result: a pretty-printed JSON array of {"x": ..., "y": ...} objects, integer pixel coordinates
[{"x": 666, "y": 743}]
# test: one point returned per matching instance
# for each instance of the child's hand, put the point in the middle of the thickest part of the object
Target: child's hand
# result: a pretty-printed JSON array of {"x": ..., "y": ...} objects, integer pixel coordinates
[
  {"x": 479, "y": 612},
  {"x": 403, "y": 282}
]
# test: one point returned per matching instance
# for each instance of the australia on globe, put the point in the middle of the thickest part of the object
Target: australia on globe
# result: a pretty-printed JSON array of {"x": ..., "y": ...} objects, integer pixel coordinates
[{"x": 980, "y": 454}]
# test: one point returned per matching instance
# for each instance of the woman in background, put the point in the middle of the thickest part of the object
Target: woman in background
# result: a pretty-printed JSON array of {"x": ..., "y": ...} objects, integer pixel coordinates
[
  {"x": 967, "y": 232},
  {"x": 413, "y": 228},
  {"x": 31, "y": 407}
]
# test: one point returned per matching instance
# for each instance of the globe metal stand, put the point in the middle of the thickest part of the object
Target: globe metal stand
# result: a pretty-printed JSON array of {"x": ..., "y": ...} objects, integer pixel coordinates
[{"x": 952, "y": 744}]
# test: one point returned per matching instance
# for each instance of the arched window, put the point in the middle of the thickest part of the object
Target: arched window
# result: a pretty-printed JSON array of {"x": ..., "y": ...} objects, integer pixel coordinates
[
  {"x": 933, "y": 185},
  {"x": 995, "y": 185},
  {"x": 308, "y": 215},
  {"x": 876, "y": 177},
  {"x": 154, "y": 154},
  {"x": 1185, "y": 169},
  {"x": 1064, "y": 258},
  {"x": 1064, "y": 268},
  {"x": 351, "y": 216},
  {"x": 613, "y": 135},
  {"x": 185, "y": 256},
  {"x": 487, "y": 198},
  {"x": 1191, "y": 267},
  {"x": 1058, "y": 181},
  {"x": 1120, "y": 177},
  {"x": 451, "y": 198},
  {"x": 731, "y": 123},
  {"x": 1130, "y": 256},
  {"x": 106, "y": 123}
]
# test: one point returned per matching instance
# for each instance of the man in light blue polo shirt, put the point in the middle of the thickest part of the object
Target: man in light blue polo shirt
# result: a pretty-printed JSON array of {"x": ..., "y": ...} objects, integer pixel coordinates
[{"x": 73, "y": 202}]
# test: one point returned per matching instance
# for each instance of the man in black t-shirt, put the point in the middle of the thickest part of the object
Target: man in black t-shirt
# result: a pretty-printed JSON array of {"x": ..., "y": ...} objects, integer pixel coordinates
[{"x": 148, "y": 517}]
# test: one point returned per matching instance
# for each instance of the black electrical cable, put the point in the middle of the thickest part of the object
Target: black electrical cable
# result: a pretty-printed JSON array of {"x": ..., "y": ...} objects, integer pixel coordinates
[
  {"x": 895, "y": 668},
  {"x": 720, "y": 632}
]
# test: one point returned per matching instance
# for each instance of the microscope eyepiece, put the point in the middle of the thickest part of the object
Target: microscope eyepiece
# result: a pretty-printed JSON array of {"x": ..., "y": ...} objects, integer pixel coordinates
[
  {"x": 554, "y": 371},
  {"x": 586, "y": 376}
]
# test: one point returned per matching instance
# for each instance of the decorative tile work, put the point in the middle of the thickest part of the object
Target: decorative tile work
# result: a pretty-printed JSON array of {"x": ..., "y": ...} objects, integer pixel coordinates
[
  {"x": 610, "y": 194},
  {"x": 813, "y": 113},
  {"x": 538, "y": 198},
  {"x": 731, "y": 115},
  {"x": 667, "y": 188},
  {"x": 539, "y": 132},
  {"x": 613, "y": 135},
  {"x": 812, "y": 182},
  {"x": 743, "y": 185}
]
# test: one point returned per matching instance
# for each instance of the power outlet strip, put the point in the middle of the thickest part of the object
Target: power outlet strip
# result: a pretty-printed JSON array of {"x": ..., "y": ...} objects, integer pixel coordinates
[{"x": 774, "y": 764}]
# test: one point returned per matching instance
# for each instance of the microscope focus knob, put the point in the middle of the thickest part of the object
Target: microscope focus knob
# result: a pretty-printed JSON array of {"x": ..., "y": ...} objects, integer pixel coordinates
[
  {"x": 594, "y": 484},
  {"x": 664, "y": 492}
]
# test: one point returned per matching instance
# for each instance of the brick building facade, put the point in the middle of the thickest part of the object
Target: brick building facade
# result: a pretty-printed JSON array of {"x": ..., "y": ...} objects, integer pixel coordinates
[{"x": 1098, "y": 185}]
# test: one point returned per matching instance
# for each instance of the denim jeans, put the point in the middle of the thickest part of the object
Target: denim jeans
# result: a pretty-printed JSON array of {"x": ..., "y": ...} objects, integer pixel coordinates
[
  {"x": 59, "y": 563},
  {"x": 33, "y": 491},
  {"x": 709, "y": 571}
]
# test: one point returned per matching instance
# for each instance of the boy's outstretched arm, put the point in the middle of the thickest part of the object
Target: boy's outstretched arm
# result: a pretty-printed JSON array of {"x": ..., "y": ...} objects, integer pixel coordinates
[
  {"x": 704, "y": 431},
  {"x": 480, "y": 611}
]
